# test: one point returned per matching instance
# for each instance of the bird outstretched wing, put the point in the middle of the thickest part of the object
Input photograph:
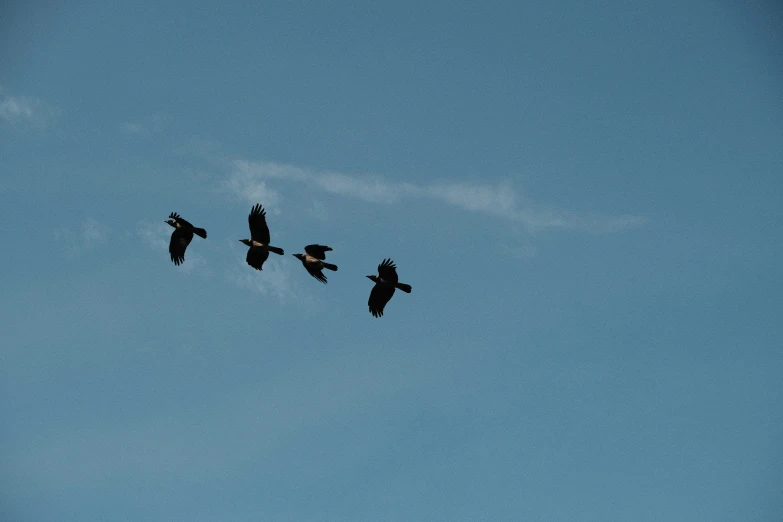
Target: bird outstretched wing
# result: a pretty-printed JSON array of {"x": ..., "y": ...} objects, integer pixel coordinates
[
  {"x": 317, "y": 251},
  {"x": 259, "y": 231},
  {"x": 387, "y": 271},
  {"x": 180, "y": 239},
  {"x": 256, "y": 257},
  {"x": 316, "y": 272},
  {"x": 176, "y": 217},
  {"x": 379, "y": 296}
]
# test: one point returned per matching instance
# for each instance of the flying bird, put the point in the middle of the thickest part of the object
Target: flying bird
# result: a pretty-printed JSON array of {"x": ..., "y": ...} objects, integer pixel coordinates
[
  {"x": 313, "y": 261},
  {"x": 385, "y": 283},
  {"x": 259, "y": 238},
  {"x": 181, "y": 237}
]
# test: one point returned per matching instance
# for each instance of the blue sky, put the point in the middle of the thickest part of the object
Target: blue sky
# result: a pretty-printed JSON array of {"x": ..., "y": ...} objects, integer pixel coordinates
[{"x": 586, "y": 200}]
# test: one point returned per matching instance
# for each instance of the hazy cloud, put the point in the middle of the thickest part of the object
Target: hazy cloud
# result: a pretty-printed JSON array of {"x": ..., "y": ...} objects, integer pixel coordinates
[
  {"x": 132, "y": 128},
  {"x": 275, "y": 280},
  {"x": 153, "y": 125},
  {"x": 89, "y": 235},
  {"x": 154, "y": 235},
  {"x": 26, "y": 110},
  {"x": 252, "y": 189}
]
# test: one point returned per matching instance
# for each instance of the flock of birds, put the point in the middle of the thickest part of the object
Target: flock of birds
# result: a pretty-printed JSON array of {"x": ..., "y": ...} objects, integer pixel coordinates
[{"x": 314, "y": 258}]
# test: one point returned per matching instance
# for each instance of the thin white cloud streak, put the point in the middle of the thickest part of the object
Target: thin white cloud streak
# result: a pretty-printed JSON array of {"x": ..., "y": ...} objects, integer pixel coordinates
[
  {"x": 249, "y": 180},
  {"x": 25, "y": 109},
  {"x": 89, "y": 235}
]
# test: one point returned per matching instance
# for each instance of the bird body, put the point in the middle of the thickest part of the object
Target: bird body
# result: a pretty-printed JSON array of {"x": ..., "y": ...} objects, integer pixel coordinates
[
  {"x": 259, "y": 238},
  {"x": 385, "y": 283},
  {"x": 313, "y": 261},
  {"x": 181, "y": 237}
]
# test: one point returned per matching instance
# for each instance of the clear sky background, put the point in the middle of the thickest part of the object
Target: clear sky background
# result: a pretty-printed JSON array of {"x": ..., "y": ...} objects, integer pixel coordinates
[{"x": 585, "y": 197}]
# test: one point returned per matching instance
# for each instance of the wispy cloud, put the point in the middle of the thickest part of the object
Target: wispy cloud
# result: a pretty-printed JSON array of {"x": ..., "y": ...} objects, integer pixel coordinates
[
  {"x": 274, "y": 280},
  {"x": 89, "y": 235},
  {"x": 25, "y": 110},
  {"x": 154, "y": 235},
  {"x": 254, "y": 189},
  {"x": 132, "y": 128},
  {"x": 251, "y": 180}
]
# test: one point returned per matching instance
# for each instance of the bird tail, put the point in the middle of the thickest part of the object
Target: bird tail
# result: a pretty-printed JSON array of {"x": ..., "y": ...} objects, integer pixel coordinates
[
  {"x": 200, "y": 232},
  {"x": 402, "y": 286},
  {"x": 330, "y": 266},
  {"x": 276, "y": 250}
]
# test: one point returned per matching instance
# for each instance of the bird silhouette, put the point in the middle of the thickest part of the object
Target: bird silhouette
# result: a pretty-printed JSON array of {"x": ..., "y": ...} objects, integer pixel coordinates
[
  {"x": 385, "y": 283},
  {"x": 259, "y": 238},
  {"x": 181, "y": 237},
  {"x": 313, "y": 261}
]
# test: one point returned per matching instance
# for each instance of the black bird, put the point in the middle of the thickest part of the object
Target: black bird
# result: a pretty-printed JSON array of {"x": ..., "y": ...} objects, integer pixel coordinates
[
  {"x": 313, "y": 261},
  {"x": 181, "y": 237},
  {"x": 385, "y": 283},
  {"x": 259, "y": 238}
]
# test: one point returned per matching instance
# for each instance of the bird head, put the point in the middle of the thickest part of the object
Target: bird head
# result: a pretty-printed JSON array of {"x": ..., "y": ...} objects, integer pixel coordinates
[
  {"x": 298, "y": 256},
  {"x": 246, "y": 241},
  {"x": 171, "y": 222},
  {"x": 372, "y": 278}
]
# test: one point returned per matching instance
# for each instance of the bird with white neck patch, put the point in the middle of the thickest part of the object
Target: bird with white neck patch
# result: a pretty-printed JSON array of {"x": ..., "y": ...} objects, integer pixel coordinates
[{"x": 313, "y": 261}]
